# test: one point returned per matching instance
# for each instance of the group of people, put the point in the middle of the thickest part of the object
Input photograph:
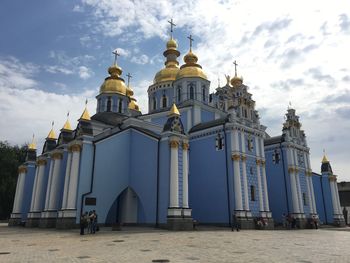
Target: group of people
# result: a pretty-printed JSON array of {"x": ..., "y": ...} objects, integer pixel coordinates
[
  {"x": 89, "y": 221},
  {"x": 290, "y": 222}
]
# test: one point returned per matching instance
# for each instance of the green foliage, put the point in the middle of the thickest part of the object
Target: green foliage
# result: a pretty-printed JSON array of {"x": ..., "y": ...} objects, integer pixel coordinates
[{"x": 10, "y": 158}]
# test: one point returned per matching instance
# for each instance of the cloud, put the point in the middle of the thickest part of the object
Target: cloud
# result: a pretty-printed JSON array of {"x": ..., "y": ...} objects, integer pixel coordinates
[
  {"x": 344, "y": 23},
  {"x": 316, "y": 74},
  {"x": 344, "y": 112},
  {"x": 272, "y": 27},
  {"x": 143, "y": 59},
  {"x": 14, "y": 74},
  {"x": 288, "y": 84},
  {"x": 58, "y": 69},
  {"x": 85, "y": 73},
  {"x": 78, "y": 8}
]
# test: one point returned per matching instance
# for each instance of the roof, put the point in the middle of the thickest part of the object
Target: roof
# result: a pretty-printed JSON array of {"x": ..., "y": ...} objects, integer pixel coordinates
[
  {"x": 274, "y": 140},
  {"x": 209, "y": 124},
  {"x": 110, "y": 118}
]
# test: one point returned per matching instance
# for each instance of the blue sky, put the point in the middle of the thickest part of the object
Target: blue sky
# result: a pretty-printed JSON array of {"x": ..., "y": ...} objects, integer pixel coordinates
[{"x": 55, "y": 54}]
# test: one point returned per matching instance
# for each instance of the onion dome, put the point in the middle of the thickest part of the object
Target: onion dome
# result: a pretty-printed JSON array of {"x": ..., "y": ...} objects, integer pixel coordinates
[
  {"x": 114, "y": 83},
  {"x": 133, "y": 104},
  {"x": 171, "y": 64},
  {"x": 191, "y": 68},
  {"x": 236, "y": 81},
  {"x": 32, "y": 145}
]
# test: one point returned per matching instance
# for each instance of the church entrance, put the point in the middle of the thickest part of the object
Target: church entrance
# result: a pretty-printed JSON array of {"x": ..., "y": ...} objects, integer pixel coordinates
[{"x": 127, "y": 207}]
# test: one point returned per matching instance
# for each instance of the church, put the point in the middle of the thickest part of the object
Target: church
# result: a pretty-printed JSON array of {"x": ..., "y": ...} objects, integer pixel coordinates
[{"x": 196, "y": 155}]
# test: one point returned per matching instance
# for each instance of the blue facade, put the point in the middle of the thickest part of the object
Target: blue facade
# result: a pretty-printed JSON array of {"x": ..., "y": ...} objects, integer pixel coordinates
[
  {"x": 28, "y": 189},
  {"x": 323, "y": 198}
]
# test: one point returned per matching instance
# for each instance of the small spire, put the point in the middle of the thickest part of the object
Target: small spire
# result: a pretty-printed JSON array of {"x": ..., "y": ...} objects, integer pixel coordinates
[
  {"x": 174, "y": 111},
  {"x": 32, "y": 145},
  {"x": 324, "y": 159},
  {"x": 67, "y": 124},
  {"x": 235, "y": 63},
  {"x": 85, "y": 115},
  {"x": 52, "y": 134}
]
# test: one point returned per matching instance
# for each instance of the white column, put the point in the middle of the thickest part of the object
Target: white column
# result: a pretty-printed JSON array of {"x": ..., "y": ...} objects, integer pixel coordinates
[
  {"x": 47, "y": 198},
  {"x": 300, "y": 198},
  {"x": 258, "y": 174},
  {"x": 19, "y": 192},
  {"x": 66, "y": 181},
  {"x": 293, "y": 186},
  {"x": 74, "y": 176},
  {"x": 334, "y": 201},
  {"x": 337, "y": 196},
  {"x": 244, "y": 174},
  {"x": 185, "y": 175},
  {"x": 174, "y": 174},
  {"x": 54, "y": 192},
  {"x": 40, "y": 191},
  {"x": 35, "y": 187},
  {"x": 236, "y": 172}
]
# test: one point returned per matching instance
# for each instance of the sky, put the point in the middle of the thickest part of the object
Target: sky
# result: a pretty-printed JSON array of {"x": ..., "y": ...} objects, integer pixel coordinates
[{"x": 54, "y": 55}]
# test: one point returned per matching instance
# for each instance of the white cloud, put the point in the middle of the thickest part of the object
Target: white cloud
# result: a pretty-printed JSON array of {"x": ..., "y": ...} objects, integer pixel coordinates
[
  {"x": 58, "y": 69},
  {"x": 78, "y": 8},
  {"x": 142, "y": 59},
  {"x": 84, "y": 72}
]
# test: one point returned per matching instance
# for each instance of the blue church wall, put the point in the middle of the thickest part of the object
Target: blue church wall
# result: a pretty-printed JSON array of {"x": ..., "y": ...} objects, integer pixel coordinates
[
  {"x": 158, "y": 94},
  {"x": 252, "y": 179},
  {"x": 28, "y": 189},
  {"x": 323, "y": 198},
  {"x": 208, "y": 182},
  {"x": 278, "y": 184},
  {"x": 143, "y": 174},
  {"x": 160, "y": 120},
  {"x": 85, "y": 173},
  {"x": 119, "y": 164},
  {"x": 183, "y": 118},
  {"x": 207, "y": 116},
  {"x": 164, "y": 181}
]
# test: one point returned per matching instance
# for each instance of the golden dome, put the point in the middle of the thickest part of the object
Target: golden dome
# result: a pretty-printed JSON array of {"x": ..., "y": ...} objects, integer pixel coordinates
[
  {"x": 171, "y": 44},
  {"x": 166, "y": 74},
  {"x": 236, "y": 81},
  {"x": 114, "y": 83},
  {"x": 133, "y": 104},
  {"x": 191, "y": 68}
]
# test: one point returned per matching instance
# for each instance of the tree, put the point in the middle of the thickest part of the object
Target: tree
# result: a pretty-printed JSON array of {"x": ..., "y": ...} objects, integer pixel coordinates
[{"x": 10, "y": 158}]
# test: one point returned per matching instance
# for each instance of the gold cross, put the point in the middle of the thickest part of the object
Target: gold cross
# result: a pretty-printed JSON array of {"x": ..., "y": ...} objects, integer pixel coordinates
[
  {"x": 235, "y": 63},
  {"x": 191, "y": 40},
  {"x": 129, "y": 77},
  {"x": 116, "y": 54},
  {"x": 171, "y": 27}
]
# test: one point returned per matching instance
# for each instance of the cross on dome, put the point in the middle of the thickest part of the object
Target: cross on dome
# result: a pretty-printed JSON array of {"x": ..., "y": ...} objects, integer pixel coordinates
[
  {"x": 116, "y": 54},
  {"x": 129, "y": 77},
  {"x": 172, "y": 25},
  {"x": 235, "y": 63},
  {"x": 191, "y": 40}
]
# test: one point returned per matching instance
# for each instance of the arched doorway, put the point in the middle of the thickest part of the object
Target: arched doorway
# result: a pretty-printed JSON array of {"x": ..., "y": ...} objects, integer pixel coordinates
[{"x": 126, "y": 209}]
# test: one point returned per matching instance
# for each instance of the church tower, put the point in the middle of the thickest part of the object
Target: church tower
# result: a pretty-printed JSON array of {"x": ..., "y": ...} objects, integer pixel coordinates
[
  {"x": 161, "y": 93},
  {"x": 326, "y": 170}
]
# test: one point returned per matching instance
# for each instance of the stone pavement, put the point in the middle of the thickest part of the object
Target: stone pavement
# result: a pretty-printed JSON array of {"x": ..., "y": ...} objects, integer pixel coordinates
[{"x": 19, "y": 244}]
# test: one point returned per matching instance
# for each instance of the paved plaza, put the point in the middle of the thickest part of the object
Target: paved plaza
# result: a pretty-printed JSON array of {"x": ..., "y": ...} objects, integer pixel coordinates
[{"x": 18, "y": 244}]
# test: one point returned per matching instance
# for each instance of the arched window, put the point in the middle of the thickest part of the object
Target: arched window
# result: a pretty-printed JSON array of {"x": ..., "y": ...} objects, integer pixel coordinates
[
  {"x": 178, "y": 94},
  {"x": 219, "y": 142},
  {"x": 120, "y": 106},
  {"x": 164, "y": 101},
  {"x": 154, "y": 103},
  {"x": 252, "y": 193},
  {"x": 109, "y": 104},
  {"x": 191, "y": 92},
  {"x": 203, "y": 93}
]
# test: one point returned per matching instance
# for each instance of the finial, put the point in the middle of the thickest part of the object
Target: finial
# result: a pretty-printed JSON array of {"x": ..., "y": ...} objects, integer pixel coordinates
[
  {"x": 67, "y": 126},
  {"x": 116, "y": 54},
  {"x": 172, "y": 25},
  {"x": 85, "y": 115},
  {"x": 235, "y": 63},
  {"x": 51, "y": 134},
  {"x": 324, "y": 160},
  {"x": 129, "y": 77},
  {"x": 227, "y": 79},
  {"x": 191, "y": 40},
  {"x": 32, "y": 145},
  {"x": 289, "y": 105},
  {"x": 218, "y": 82},
  {"x": 174, "y": 111}
]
